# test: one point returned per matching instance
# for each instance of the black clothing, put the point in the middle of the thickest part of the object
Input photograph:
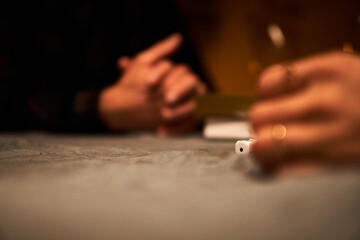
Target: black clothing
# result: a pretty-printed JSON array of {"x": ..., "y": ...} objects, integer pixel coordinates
[{"x": 55, "y": 53}]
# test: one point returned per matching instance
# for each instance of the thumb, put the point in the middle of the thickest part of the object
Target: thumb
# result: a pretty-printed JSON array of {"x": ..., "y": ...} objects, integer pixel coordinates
[{"x": 123, "y": 63}]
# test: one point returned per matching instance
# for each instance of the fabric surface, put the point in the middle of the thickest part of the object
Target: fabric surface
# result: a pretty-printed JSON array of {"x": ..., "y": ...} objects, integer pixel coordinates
[{"x": 143, "y": 187}]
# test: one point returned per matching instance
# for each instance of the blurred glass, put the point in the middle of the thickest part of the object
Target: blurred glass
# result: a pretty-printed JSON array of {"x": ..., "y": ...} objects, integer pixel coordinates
[{"x": 232, "y": 35}]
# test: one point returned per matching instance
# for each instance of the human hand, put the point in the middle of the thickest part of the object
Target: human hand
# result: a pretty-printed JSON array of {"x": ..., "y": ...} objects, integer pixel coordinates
[
  {"x": 132, "y": 102},
  {"x": 180, "y": 89},
  {"x": 177, "y": 87},
  {"x": 159, "y": 94},
  {"x": 309, "y": 112}
]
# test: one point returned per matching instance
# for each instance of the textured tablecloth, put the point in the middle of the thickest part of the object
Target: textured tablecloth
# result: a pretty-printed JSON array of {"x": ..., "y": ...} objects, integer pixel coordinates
[{"x": 142, "y": 187}]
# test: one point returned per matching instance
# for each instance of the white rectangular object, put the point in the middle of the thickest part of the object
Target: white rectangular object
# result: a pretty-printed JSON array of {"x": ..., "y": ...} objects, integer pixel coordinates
[{"x": 227, "y": 128}]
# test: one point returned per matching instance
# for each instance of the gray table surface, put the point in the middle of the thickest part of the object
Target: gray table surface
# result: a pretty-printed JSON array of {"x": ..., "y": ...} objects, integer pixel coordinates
[{"x": 55, "y": 186}]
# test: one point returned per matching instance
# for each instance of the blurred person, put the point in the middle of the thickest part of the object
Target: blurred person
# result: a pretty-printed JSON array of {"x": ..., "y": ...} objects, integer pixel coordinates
[
  {"x": 96, "y": 65},
  {"x": 308, "y": 112}
]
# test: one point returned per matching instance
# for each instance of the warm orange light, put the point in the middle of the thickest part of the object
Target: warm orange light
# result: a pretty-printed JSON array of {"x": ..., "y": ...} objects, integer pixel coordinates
[
  {"x": 254, "y": 67},
  {"x": 276, "y": 35}
]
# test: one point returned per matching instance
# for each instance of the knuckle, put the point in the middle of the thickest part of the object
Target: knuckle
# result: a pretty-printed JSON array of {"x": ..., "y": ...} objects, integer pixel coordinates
[
  {"x": 337, "y": 61},
  {"x": 167, "y": 63},
  {"x": 263, "y": 78},
  {"x": 191, "y": 79},
  {"x": 183, "y": 67},
  {"x": 269, "y": 82}
]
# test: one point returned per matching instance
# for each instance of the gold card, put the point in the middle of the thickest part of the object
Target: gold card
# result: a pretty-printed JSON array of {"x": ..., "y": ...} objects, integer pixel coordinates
[{"x": 217, "y": 104}]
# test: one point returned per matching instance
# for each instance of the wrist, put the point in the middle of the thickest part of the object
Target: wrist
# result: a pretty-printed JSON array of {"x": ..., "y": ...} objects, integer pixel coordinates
[{"x": 121, "y": 108}]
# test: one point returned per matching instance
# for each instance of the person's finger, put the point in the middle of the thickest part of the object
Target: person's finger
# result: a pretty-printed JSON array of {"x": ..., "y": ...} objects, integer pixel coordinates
[
  {"x": 173, "y": 76},
  {"x": 187, "y": 86},
  {"x": 283, "y": 78},
  {"x": 279, "y": 109},
  {"x": 271, "y": 81},
  {"x": 299, "y": 141},
  {"x": 301, "y": 167},
  {"x": 158, "y": 72},
  {"x": 184, "y": 86},
  {"x": 161, "y": 49},
  {"x": 123, "y": 63},
  {"x": 297, "y": 106},
  {"x": 179, "y": 112}
]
